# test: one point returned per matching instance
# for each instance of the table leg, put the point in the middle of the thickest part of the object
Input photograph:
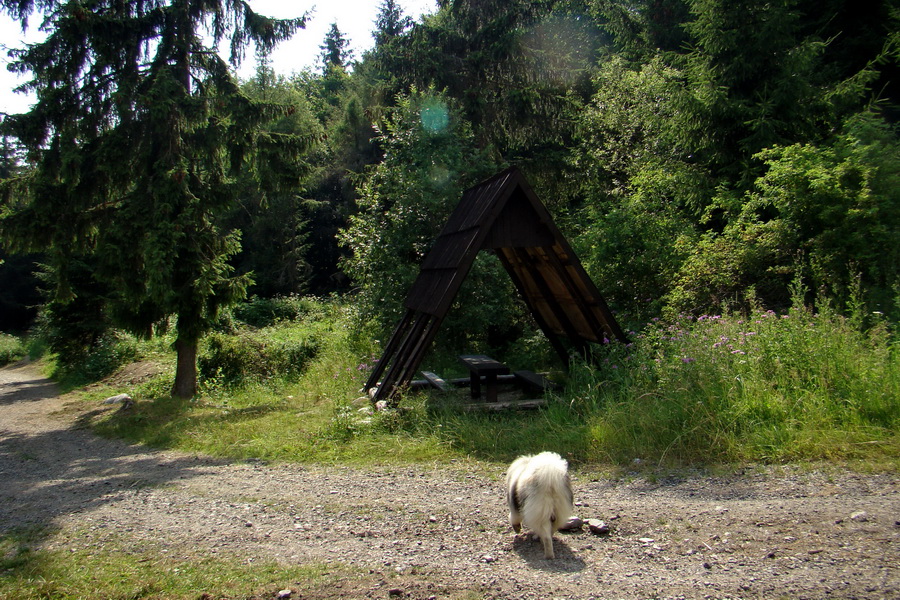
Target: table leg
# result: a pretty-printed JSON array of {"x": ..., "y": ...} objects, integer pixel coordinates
[
  {"x": 475, "y": 380},
  {"x": 491, "y": 387}
]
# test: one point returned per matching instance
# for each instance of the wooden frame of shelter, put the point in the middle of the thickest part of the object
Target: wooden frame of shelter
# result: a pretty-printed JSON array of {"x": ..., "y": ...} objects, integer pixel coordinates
[{"x": 502, "y": 214}]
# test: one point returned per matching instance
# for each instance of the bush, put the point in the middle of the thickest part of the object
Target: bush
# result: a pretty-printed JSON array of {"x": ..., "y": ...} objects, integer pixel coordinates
[
  {"x": 264, "y": 312},
  {"x": 234, "y": 359},
  {"x": 11, "y": 349}
]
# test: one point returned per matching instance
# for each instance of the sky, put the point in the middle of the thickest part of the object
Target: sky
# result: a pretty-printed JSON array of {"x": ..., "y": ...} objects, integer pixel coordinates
[{"x": 355, "y": 19}]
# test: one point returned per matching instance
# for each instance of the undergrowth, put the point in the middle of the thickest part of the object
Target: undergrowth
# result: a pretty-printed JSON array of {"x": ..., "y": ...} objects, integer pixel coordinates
[{"x": 759, "y": 387}]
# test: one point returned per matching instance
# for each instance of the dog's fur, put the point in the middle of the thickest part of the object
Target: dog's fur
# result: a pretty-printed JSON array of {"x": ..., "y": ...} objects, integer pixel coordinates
[{"x": 539, "y": 494}]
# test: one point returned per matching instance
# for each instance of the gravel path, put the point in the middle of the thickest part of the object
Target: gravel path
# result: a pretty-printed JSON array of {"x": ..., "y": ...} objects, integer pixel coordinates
[{"x": 441, "y": 532}]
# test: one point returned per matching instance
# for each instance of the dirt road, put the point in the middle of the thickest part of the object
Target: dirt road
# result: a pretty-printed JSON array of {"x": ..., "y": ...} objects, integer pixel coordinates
[{"x": 441, "y": 532}]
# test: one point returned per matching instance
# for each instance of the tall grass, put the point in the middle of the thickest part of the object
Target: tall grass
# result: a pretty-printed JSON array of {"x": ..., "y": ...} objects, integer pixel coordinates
[{"x": 761, "y": 387}]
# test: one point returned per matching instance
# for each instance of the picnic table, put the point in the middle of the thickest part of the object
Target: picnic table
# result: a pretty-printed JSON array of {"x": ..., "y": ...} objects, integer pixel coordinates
[{"x": 480, "y": 365}]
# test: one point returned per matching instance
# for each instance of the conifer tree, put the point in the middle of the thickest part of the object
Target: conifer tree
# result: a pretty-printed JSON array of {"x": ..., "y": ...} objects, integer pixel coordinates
[
  {"x": 391, "y": 22},
  {"x": 335, "y": 49},
  {"x": 138, "y": 132}
]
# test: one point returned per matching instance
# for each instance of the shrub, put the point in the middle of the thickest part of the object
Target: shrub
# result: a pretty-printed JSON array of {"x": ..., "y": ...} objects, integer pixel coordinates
[
  {"x": 11, "y": 349},
  {"x": 236, "y": 358},
  {"x": 263, "y": 312}
]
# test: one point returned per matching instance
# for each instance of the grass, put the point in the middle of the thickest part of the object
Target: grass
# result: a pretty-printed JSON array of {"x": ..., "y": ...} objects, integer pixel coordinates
[
  {"x": 28, "y": 572},
  {"x": 759, "y": 387}
]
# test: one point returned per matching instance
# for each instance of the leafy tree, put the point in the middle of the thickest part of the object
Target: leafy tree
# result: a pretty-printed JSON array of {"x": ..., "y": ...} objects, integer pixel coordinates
[
  {"x": 138, "y": 133},
  {"x": 675, "y": 144},
  {"x": 828, "y": 213},
  {"x": 516, "y": 68},
  {"x": 430, "y": 158}
]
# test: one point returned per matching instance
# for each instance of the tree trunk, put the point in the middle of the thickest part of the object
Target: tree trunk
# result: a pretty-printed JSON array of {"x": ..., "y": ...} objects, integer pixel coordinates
[{"x": 185, "y": 385}]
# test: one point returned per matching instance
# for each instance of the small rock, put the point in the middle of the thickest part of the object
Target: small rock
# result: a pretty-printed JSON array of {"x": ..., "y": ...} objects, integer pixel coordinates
[
  {"x": 573, "y": 524},
  {"x": 284, "y": 594},
  {"x": 395, "y": 592},
  {"x": 598, "y": 527},
  {"x": 860, "y": 516},
  {"x": 381, "y": 405},
  {"x": 488, "y": 558},
  {"x": 432, "y": 519},
  {"x": 646, "y": 540},
  {"x": 123, "y": 398},
  {"x": 707, "y": 566}
]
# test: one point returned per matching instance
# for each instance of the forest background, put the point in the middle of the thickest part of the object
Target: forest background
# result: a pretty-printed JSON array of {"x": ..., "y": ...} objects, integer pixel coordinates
[{"x": 704, "y": 158}]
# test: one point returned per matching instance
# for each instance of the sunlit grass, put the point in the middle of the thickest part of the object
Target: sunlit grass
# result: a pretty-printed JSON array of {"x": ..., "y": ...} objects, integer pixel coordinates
[{"x": 28, "y": 572}]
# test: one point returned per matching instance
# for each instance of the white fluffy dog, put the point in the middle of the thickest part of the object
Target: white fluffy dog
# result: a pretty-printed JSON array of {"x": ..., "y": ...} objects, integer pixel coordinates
[{"x": 539, "y": 494}]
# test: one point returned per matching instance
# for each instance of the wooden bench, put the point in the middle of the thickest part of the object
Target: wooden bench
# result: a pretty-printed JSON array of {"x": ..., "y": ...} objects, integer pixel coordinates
[
  {"x": 436, "y": 381},
  {"x": 533, "y": 381},
  {"x": 480, "y": 365}
]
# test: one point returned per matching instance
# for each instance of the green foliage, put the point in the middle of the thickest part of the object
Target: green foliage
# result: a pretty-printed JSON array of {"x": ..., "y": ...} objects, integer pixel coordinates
[
  {"x": 74, "y": 325},
  {"x": 229, "y": 359},
  {"x": 430, "y": 158},
  {"x": 274, "y": 219},
  {"x": 830, "y": 213},
  {"x": 262, "y": 312},
  {"x": 637, "y": 222},
  {"x": 11, "y": 349}
]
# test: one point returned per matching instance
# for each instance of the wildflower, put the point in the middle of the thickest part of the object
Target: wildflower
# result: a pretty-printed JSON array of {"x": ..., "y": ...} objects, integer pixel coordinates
[{"x": 687, "y": 360}]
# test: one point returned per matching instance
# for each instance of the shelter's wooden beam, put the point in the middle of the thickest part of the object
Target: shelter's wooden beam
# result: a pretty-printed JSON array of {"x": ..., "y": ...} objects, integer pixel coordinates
[
  {"x": 561, "y": 315},
  {"x": 389, "y": 349},
  {"x": 576, "y": 292},
  {"x": 389, "y": 383}
]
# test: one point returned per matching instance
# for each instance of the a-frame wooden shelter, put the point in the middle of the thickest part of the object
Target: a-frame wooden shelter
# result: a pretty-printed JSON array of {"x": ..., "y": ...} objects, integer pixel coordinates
[{"x": 502, "y": 214}]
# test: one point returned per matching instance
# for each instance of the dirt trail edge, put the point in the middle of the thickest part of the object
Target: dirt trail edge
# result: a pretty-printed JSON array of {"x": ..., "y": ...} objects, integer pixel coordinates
[{"x": 440, "y": 532}]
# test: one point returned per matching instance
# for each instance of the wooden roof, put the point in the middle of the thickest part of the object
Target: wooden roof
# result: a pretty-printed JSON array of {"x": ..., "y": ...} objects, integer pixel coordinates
[{"x": 504, "y": 215}]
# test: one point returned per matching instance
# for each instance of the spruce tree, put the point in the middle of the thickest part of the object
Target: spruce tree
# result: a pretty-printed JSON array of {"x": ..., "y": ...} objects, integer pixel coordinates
[
  {"x": 135, "y": 141},
  {"x": 335, "y": 49},
  {"x": 390, "y": 23}
]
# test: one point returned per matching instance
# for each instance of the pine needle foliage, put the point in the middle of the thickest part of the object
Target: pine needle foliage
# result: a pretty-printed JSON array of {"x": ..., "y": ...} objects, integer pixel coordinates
[{"x": 136, "y": 141}]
